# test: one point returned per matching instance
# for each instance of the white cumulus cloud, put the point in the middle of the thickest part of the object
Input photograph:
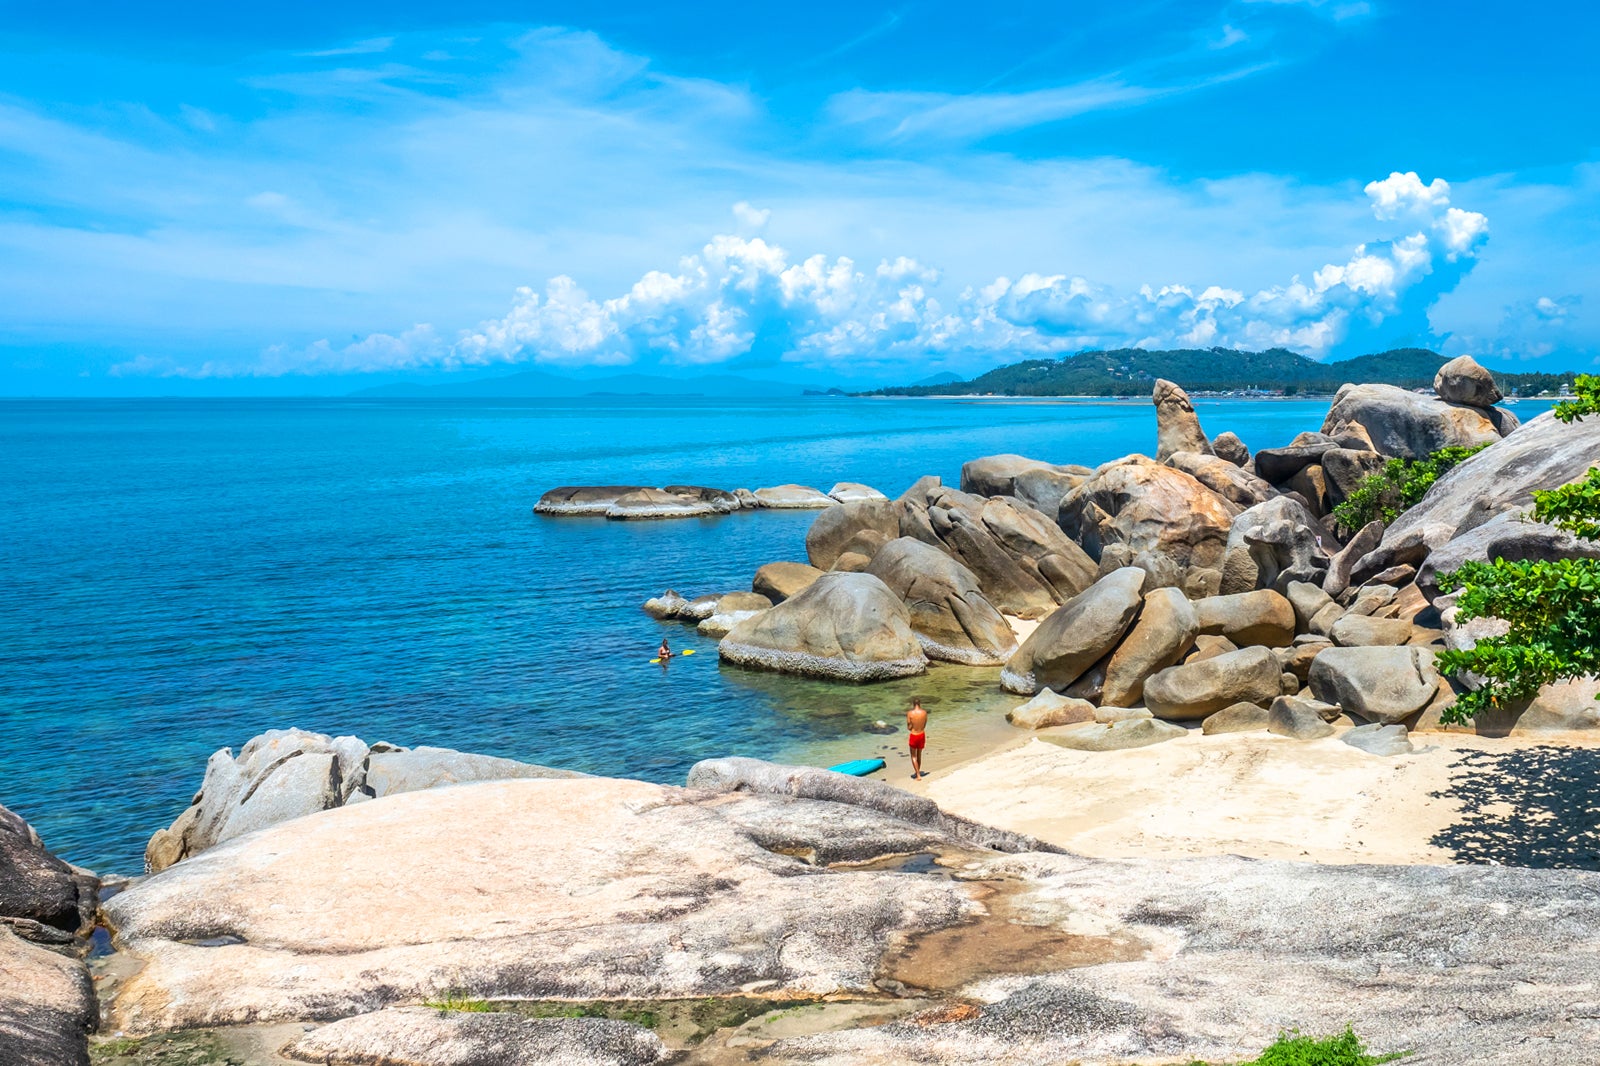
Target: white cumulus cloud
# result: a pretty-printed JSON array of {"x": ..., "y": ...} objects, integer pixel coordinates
[{"x": 744, "y": 296}]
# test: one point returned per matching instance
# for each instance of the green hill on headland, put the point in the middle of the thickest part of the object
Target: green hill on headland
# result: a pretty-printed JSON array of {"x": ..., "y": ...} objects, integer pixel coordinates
[{"x": 1132, "y": 371}]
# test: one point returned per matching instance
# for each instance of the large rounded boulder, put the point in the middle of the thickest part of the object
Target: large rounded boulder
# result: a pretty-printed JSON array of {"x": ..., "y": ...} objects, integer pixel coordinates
[
  {"x": 1148, "y": 506},
  {"x": 1462, "y": 380},
  {"x": 1384, "y": 685},
  {"x": 841, "y": 627},
  {"x": 1076, "y": 635},
  {"x": 1203, "y": 687},
  {"x": 951, "y": 616},
  {"x": 778, "y": 581},
  {"x": 1411, "y": 425},
  {"x": 1163, "y": 634},
  {"x": 861, "y": 526},
  {"x": 1262, "y": 618}
]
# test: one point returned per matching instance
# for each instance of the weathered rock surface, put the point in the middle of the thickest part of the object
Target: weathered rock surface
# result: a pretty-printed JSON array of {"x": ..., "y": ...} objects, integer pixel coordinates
[
  {"x": 584, "y": 888},
  {"x": 1162, "y": 635},
  {"x": 1406, "y": 424},
  {"x": 1344, "y": 469},
  {"x": 421, "y": 1036},
  {"x": 571, "y": 500},
  {"x": 285, "y": 774},
  {"x": 793, "y": 498},
  {"x": 1290, "y": 716},
  {"x": 860, "y": 526},
  {"x": 1148, "y": 506},
  {"x": 1195, "y": 689},
  {"x": 1025, "y": 565},
  {"x": 1177, "y": 426},
  {"x": 1115, "y": 736},
  {"x": 677, "y": 501},
  {"x": 41, "y": 896},
  {"x": 1380, "y": 739},
  {"x": 1363, "y": 631},
  {"x": 47, "y": 1005},
  {"x": 842, "y": 627},
  {"x": 1262, "y": 618},
  {"x": 1076, "y": 635},
  {"x": 1383, "y": 685},
  {"x": 1462, "y": 380},
  {"x": 1048, "y": 709},
  {"x": 1272, "y": 544},
  {"x": 852, "y": 491},
  {"x": 1237, "y": 718},
  {"x": 778, "y": 581},
  {"x": 1227, "y": 445},
  {"x": 597, "y": 889},
  {"x": 1239, "y": 487},
  {"x": 1344, "y": 561},
  {"x": 949, "y": 613},
  {"x": 729, "y": 610},
  {"x": 1278, "y": 465},
  {"x": 1031, "y": 480},
  {"x": 1542, "y": 454}
]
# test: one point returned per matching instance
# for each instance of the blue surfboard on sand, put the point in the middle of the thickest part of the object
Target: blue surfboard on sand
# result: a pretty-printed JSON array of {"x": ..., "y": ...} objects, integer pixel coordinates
[{"x": 858, "y": 767}]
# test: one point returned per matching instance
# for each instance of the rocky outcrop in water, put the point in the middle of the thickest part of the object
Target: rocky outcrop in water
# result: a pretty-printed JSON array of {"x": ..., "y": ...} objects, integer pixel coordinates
[
  {"x": 841, "y": 627},
  {"x": 1177, "y": 426}
]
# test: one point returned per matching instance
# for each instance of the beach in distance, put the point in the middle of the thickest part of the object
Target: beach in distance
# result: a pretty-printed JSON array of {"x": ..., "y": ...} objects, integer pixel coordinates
[{"x": 182, "y": 575}]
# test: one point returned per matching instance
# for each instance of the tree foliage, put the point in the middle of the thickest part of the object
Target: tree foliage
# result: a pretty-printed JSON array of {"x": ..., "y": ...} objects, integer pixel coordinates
[
  {"x": 1552, "y": 609},
  {"x": 1398, "y": 487}
]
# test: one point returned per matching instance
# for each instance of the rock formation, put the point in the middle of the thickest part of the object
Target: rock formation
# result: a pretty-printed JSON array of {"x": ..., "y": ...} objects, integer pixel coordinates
[
  {"x": 1177, "y": 426},
  {"x": 289, "y": 773},
  {"x": 1462, "y": 380},
  {"x": 949, "y": 613},
  {"x": 842, "y": 627},
  {"x": 1146, "y": 506},
  {"x": 793, "y": 498},
  {"x": 1076, "y": 635},
  {"x": 781, "y": 580},
  {"x": 1412, "y": 426}
]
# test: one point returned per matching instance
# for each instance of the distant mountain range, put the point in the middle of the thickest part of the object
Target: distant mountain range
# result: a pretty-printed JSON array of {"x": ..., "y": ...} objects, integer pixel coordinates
[
  {"x": 539, "y": 384},
  {"x": 1132, "y": 371}
]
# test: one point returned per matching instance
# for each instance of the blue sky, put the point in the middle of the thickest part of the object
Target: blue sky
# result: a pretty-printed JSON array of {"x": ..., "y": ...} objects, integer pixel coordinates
[{"x": 312, "y": 197}]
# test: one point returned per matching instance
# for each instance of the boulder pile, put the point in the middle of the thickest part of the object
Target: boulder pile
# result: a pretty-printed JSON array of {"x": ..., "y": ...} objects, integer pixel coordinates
[{"x": 1201, "y": 581}]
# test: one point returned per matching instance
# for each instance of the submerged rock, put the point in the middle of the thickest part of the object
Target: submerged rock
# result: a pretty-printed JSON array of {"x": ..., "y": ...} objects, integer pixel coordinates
[
  {"x": 841, "y": 627},
  {"x": 851, "y": 491}
]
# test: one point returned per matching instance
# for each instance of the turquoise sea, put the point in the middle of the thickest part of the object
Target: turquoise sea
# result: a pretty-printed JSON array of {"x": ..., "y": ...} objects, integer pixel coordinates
[{"x": 179, "y": 575}]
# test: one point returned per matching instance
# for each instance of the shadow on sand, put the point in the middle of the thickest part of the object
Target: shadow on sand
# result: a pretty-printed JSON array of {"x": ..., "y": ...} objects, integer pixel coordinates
[{"x": 1537, "y": 807}]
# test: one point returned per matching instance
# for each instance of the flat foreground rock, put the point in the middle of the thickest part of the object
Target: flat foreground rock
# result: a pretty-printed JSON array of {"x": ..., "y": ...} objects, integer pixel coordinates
[{"x": 421, "y": 1036}]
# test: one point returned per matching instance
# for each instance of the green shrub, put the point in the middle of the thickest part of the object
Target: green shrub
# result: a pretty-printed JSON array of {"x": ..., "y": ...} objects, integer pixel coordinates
[
  {"x": 1553, "y": 608},
  {"x": 1292, "y": 1049},
  {"x": 1399, "y": 486}
]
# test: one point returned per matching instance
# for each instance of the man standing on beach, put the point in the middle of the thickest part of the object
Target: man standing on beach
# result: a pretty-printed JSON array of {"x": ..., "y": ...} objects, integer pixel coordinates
[{"x": 917, "y": 728}]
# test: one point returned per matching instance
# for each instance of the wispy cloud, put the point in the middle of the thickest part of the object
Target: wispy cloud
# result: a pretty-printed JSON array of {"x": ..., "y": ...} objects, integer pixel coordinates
[{"x": 370, "y": 46}]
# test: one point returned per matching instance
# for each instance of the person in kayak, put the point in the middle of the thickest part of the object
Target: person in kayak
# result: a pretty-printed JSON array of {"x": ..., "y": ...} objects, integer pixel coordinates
[
  {"x": 917, "y": 736},
  {"x": 665, "y": 651}
]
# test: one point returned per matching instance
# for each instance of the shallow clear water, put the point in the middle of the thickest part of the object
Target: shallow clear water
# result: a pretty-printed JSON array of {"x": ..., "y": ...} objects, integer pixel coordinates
[{"x": 177, "y": 576}]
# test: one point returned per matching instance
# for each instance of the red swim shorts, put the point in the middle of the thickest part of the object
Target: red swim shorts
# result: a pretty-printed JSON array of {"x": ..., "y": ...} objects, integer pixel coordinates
[{"x": 917, "y": 740}]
